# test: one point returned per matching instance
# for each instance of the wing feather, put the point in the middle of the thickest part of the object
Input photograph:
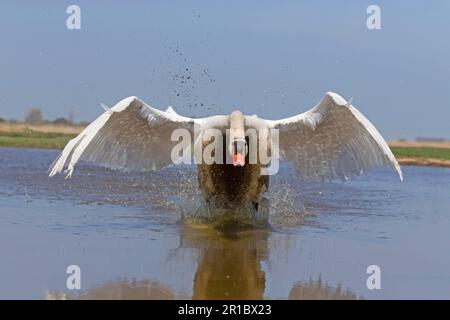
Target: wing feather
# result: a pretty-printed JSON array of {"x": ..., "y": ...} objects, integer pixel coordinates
[
  {"x": 333, "y": 140},
  {"x": 130, "y": 135}
]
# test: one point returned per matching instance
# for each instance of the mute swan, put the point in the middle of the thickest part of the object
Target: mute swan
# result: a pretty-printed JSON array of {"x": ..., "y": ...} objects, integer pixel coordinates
[{"x": 332, "y": 140}]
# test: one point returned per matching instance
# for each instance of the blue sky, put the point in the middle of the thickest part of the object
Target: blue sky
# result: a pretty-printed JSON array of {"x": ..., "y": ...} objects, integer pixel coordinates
[{"x": 272, "y": 58}]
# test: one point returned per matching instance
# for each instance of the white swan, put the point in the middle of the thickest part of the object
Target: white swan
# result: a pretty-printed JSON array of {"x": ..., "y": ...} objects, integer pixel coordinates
[{"x": 332, "y": 140}]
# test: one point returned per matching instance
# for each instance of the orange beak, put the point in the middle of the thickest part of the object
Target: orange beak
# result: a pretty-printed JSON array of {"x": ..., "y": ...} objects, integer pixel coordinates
[{"x": 238, "y": 160}]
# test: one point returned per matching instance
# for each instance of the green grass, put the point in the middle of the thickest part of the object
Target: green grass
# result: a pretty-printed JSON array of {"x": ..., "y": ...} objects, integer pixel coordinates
[
  {"x": 422, "y": 152},
  {"x": 56, "y": 140},
  {"x": 34, "y": 139}
]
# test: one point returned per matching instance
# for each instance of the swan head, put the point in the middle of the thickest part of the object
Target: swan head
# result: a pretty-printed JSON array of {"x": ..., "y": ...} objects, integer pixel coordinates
[
  {"x": 238, "y": 146},
  {"x": 239, "y": 151}
]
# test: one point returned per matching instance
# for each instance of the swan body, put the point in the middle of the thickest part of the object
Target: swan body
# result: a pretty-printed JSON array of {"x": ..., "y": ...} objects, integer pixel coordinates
[{"x": 331, "y": 141}]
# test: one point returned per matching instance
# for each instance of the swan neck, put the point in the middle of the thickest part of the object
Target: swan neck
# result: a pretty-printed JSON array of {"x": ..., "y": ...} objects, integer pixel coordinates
[{"x": 237, "y": 126}]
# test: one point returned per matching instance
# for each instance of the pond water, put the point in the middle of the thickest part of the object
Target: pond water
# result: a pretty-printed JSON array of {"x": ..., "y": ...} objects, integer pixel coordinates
[{"x": 124, "y": 231}]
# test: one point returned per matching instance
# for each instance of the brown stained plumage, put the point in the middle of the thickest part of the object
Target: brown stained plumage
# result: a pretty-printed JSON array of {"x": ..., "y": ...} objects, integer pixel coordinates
[{"x": 226, "y": 185}]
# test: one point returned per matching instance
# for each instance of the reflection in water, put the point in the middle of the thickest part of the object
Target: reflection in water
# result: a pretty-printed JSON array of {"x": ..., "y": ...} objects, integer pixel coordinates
[
  {"x": 317, "y": 290},
  {"x": 229, "y": 267},
  {"x": 121, "y": 289}
]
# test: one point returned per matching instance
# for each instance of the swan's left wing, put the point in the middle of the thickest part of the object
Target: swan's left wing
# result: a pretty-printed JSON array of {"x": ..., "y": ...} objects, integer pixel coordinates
[
  {"x": 131, "y": 135},
  {"x": 332, "y": 140}
]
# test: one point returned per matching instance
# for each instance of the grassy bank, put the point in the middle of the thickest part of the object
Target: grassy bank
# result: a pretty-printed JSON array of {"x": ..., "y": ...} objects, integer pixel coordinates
[
  {"x": 421, "y": 152},
  {"x": 56, "y": 137},
  {"x": 28, "y": 138}
]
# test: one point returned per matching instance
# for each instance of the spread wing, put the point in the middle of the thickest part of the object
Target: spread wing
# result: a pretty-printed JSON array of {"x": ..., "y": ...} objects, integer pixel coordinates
[
  {"x": 131, "y": 135},
  {"x": 332, "y": 140}
]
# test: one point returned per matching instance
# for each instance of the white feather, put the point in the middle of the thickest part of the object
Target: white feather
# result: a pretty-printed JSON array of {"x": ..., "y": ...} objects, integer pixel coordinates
[
  {"x": 332, "y": 140},
  {"x": 130, "y": 135}
]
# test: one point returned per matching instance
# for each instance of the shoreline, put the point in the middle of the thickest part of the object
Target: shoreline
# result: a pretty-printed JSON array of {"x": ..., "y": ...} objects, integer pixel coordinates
[
  {"x": 50, "y": 136},
  {"x": 424, "y": 162},
  {"x": 403, "y": 161},
  {"x": 421, "y": 153}
]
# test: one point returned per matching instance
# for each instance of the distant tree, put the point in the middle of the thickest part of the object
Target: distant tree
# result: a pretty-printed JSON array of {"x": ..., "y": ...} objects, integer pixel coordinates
[
  {"x": 83, "y": 124},
  {"x": 71, "y": 118},
  {"x": 61, "y": 121},
  {"x": 34, "y": 116},
  {"x": 2, "y": 120}
]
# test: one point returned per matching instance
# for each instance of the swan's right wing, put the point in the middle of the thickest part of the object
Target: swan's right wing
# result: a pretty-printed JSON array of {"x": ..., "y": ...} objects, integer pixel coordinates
[
  {"x": 332, "y": 140},
  {"x": 131, "y": 135}
]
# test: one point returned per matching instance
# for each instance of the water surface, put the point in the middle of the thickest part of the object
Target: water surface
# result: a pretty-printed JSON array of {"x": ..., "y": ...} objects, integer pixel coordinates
[{"x": 124, "y": 231}]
